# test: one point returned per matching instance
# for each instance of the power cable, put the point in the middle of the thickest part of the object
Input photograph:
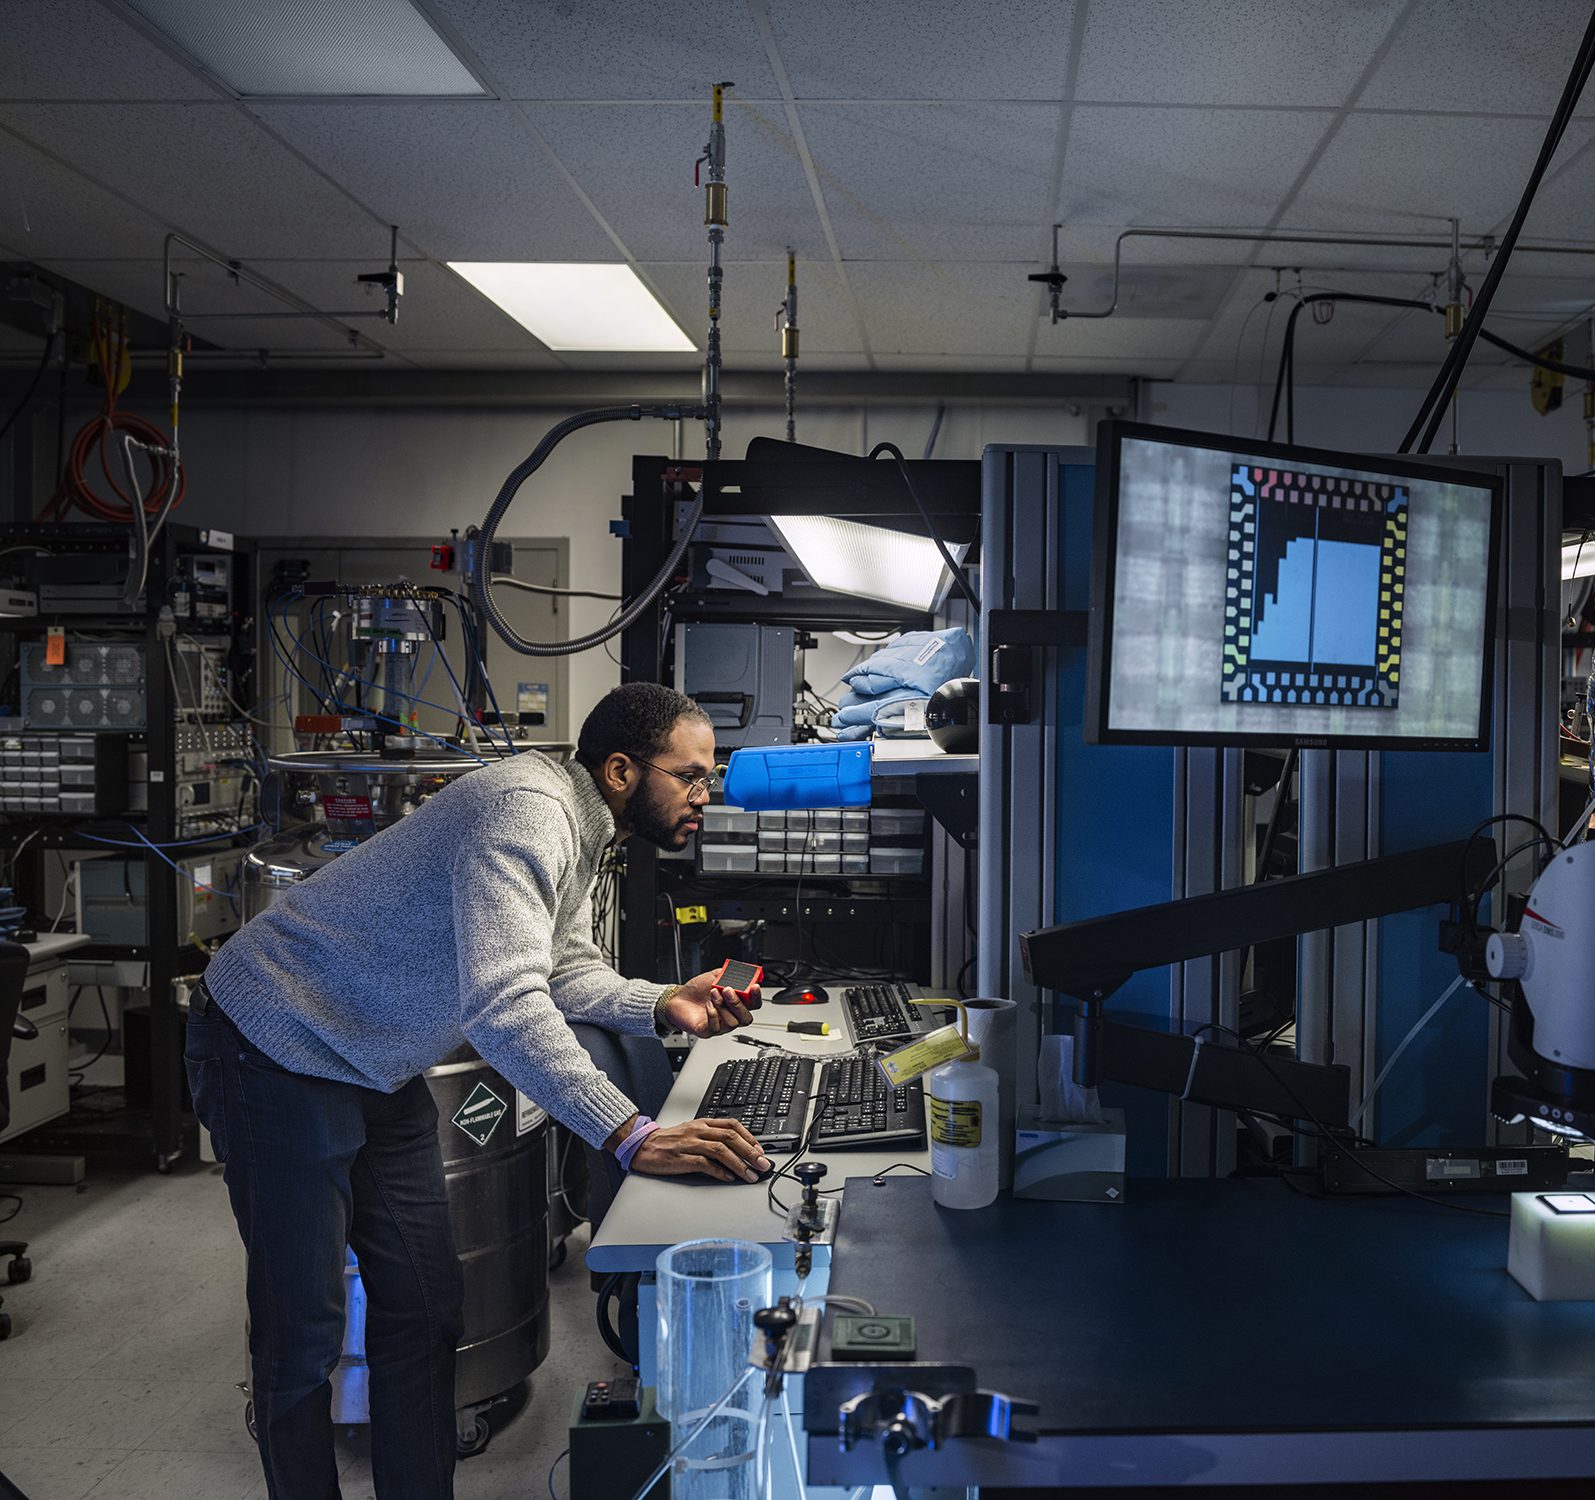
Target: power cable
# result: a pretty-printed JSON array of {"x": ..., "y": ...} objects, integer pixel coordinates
[
  {"x": 481, "y": 551},
  {"x": 1445, "y": 382},
  {"x": 930, "y": 526}
]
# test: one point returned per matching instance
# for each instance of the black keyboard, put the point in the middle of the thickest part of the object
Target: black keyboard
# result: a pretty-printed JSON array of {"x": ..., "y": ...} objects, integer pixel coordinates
[
  {"x": 770, "y": 1095},
  {"x": 863, "y": 1111},
  {"x": 881, "y": 1013}
]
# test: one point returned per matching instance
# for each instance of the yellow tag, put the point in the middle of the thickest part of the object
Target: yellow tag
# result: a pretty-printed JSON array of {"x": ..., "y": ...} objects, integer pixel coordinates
[
  {"x": 953, "y": 1122},
  {"x": 909, "y": 1061},
  {"x": 686, "y": 915}
]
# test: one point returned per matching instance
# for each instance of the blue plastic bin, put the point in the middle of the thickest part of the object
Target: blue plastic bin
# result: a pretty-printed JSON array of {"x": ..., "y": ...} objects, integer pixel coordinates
[{"x": 769, "y": 777}]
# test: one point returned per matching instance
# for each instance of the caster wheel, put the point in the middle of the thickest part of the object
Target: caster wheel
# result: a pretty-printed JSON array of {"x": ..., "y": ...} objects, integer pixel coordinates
[
  {"x": 5, "y": 1325},
  {"x": 249, "y": 1420},
  {"x": 469, "y": 1441},
  {"x": 20, "y": 1269},
  {"x": 557, "y": 1259}
]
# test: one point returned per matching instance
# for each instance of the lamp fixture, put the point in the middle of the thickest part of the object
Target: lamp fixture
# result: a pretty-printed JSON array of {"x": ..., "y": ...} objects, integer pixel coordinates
[{"x": 578, "y": 305}]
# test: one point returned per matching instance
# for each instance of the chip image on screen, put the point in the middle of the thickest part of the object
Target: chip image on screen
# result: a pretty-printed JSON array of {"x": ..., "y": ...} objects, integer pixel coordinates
[{"x": 1314, "y": 585}]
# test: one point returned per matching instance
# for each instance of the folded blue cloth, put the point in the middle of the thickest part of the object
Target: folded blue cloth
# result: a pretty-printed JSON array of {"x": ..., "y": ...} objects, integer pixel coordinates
[
  {"x": 921, "y": 659},
  {"x": 857, "y": 718}
]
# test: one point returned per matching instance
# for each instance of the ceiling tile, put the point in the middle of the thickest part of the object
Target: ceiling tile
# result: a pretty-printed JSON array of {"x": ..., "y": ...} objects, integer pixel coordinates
[
  {"x": 635, "y": 162},
  {"x": 1119, "y": 338},
  {"x": 78, "y": 49},
  {"x": 530, "y": 358},
  {"x": 959, "y": 310},
  {"x": 1149, "y": 368},
  {"x": 47, "y": 210},
  {"x": 1481, "y": 56},
  {"x": 1388, "y": 172},
  {"x": 975, "y": 363},
  {"x": 944, "y": 182},
  {"x": 406, "y": 161},
  {"x": 1562, "y": 208},
  {"x": 206, "y": 169},
  {"x": 937, "y": 49},
  {"x": 752, "y": 293},
  {"x": 611, "y": 49},
  {"x": 438, "y": 309},
  {"x": 1234, "y": 52},
  {"x": 1175, "y": 166}
]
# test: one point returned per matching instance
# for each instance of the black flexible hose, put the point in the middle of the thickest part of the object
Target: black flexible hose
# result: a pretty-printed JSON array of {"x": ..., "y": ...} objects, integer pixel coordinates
[
  {"x": 1445, "y": 382},
  {"x": 930, "y": 526},
  {"x": 481, "y": 581},
  {"x": 1285, "y": 379}
]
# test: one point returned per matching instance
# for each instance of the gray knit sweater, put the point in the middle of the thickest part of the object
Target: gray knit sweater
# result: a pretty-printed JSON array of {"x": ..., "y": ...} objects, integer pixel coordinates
[{"x": 469, "y": 921}]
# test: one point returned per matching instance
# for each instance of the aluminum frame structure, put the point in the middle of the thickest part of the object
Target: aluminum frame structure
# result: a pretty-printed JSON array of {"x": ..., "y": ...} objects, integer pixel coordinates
[{"x": 1070, "y": 830}]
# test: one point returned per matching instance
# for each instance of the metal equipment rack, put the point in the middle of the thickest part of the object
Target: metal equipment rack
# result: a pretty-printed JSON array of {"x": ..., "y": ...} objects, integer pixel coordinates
[
  {"x": 164, "y": 1131},
  {"x": 661, "y": 489}
]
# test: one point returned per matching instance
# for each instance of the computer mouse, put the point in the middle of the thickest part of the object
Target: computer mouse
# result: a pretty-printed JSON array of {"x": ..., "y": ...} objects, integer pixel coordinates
[{"x": 800, "y": 994}]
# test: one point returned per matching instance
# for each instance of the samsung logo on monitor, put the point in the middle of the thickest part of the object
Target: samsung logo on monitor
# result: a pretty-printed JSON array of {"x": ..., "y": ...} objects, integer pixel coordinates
[{"x": 1303, "y": 744}]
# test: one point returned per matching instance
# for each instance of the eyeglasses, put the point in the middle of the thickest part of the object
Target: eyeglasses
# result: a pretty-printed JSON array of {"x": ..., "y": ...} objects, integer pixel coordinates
[{"x": 703, "y": 785}]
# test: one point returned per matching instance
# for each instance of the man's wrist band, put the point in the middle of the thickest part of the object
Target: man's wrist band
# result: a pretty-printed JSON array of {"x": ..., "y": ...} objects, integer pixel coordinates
[
  {"x": 661, "y": 1021},
  {"x": 638, "y": 1133}
]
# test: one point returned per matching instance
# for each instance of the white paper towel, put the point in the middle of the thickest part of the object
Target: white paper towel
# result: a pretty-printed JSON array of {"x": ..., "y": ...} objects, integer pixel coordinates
[
  {"x": 1062, "y": 1099},
  {"x": 992, "y": 1028}
]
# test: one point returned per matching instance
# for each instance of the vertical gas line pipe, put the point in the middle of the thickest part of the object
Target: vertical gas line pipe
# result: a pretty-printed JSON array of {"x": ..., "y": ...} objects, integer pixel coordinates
[
  {"x": 714, "y": 215},
  {"x": 786, "y": 322}
]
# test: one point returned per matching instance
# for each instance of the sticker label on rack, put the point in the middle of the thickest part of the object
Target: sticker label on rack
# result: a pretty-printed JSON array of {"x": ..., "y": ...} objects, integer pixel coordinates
[
  {"x": 531, "y": 698},
  {"x": 478, "y": 1117},
  {"x": 953, "y": 1122}
]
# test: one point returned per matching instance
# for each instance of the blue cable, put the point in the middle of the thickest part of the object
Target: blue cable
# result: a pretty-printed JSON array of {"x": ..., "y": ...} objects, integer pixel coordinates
[
  {"x": 339, "y": 704},
  {"x": 468, "y": 630},
  {"x": 208, "y": 838},
  {"x": 148, "y": 844}
]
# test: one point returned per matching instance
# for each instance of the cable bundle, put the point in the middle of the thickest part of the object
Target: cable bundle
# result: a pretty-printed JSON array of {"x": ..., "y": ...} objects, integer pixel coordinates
[{"x": 108, "y": 436}]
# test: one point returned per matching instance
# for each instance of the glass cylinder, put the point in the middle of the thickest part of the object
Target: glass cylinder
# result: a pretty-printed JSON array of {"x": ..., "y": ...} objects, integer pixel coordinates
[{"x": 708, "y": 1291}]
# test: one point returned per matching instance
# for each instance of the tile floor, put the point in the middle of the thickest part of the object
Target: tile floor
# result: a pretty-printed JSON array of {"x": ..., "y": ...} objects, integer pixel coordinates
[{"x": 119, "y": 1379}]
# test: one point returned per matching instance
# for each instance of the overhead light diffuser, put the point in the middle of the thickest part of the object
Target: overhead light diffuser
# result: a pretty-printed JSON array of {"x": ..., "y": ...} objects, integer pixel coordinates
[
  {"x": 314, "y": 48},
  {"x": 872, "y": 562},
  {"x": 578, "y": 305},
  {"x": 1578, "y": 559}
]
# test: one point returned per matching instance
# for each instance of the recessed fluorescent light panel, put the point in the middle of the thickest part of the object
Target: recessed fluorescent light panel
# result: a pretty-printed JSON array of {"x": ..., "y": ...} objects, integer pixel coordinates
[
  {"x": 578, "y": 306},
  {"x": 872, "y": 562},
  {"x": 328, "y": 48}
]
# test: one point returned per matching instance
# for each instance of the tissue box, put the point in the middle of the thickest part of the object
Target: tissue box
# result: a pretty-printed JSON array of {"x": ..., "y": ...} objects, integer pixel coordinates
[
  {"x": 1551, "y": 1252},
  {"x": 1067, "y": 1161}
]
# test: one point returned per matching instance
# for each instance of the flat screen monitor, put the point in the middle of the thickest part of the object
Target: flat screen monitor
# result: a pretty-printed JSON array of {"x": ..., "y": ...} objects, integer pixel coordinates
[{"x": 1250, "y": 593}]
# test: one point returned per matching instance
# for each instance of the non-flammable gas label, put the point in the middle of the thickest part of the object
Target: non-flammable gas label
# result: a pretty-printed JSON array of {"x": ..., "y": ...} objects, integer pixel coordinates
[{"x": 478, "y": 1117}]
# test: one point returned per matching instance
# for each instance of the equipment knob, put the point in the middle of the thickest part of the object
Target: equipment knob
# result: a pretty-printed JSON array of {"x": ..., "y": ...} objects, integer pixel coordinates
[
  {"x": 809, "y": 1172},
  {"x": 1506, "y": 955}
]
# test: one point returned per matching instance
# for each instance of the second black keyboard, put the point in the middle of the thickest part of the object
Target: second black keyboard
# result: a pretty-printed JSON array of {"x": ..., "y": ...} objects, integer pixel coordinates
[
  {"x": 770, "y": 1095},
  {"x": 862, "y": 1111}
]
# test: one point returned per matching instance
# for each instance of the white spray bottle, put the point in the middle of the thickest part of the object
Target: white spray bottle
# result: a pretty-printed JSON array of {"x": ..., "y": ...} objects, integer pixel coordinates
[{"x": 961, "y": 1110}]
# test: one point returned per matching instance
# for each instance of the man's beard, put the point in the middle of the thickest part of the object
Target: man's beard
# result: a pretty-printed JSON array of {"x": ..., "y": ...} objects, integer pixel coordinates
[{"x": 651, "y": 818}]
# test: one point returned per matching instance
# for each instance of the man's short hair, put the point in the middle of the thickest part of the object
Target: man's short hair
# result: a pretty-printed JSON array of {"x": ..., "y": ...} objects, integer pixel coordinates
[{"x": 635, "y": 719}]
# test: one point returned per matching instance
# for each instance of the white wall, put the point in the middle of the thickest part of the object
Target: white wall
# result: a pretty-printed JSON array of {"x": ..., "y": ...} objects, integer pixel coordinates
[
  {"x": 1495, "y": 422},
  {"x": 329, "y": 472}
]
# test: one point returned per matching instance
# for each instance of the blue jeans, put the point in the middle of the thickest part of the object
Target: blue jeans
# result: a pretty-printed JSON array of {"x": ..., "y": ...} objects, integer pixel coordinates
[{"x": 312, "y": 1166}]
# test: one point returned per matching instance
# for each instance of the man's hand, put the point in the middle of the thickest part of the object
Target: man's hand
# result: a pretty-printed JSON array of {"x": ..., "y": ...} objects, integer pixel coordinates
[
  {"x": 704, "y": 1009},
  {"x": 721, "y": 1148}
]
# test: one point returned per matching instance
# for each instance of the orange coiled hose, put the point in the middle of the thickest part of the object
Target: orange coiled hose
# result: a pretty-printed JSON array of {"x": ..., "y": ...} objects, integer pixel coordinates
[{"x": 101, "y": 438}]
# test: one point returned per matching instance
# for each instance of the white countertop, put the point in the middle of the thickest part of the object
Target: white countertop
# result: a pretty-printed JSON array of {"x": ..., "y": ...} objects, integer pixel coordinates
[
  {"x": 650, "y": 1214},
  {"x": 915, "y": 757},
  {"x": 51, "y": 945}
]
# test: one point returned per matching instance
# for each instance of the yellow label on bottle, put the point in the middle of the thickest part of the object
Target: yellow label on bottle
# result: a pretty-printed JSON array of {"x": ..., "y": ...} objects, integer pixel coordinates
[
  {"x": 919, "y": 1056},
  {"x": 953, "y": 1122}
]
